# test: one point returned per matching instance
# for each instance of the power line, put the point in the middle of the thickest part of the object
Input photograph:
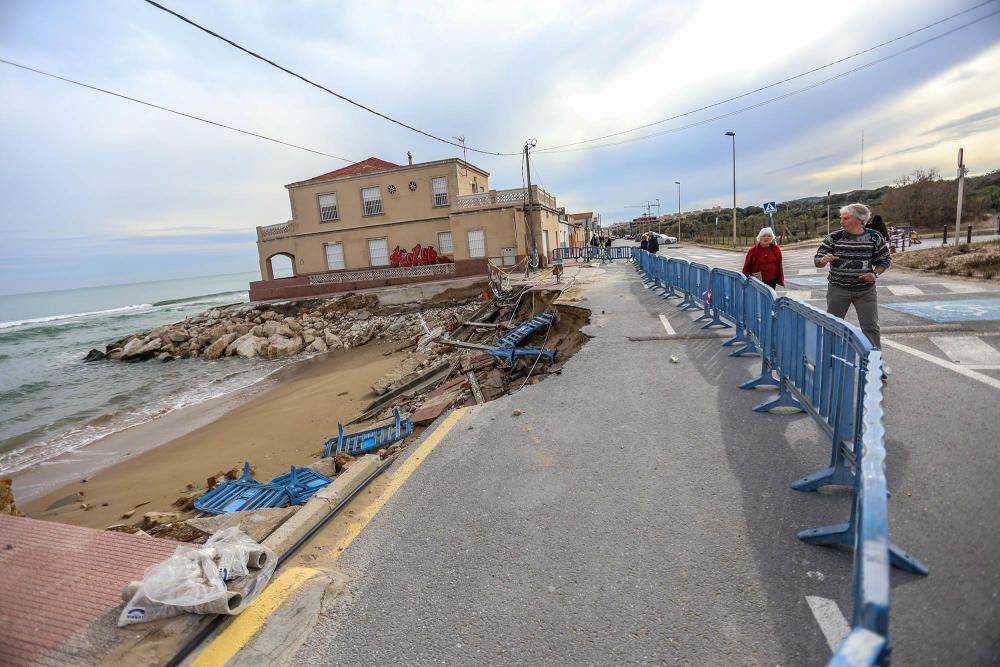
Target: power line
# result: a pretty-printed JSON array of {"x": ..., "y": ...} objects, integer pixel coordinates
[
  {"x": 763, "y": 102},
  {"x": 173, "y": 111},
  {"x": 778, "y": 83},
  {"x": 320, "y": 86}
]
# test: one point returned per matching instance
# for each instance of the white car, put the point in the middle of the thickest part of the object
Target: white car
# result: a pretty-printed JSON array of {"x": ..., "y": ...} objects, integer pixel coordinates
[{"x": 663, "y": 239}]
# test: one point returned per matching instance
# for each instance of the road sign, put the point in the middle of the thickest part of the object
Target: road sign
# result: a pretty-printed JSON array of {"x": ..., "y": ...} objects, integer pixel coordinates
[{"x": 770, "y": 207}]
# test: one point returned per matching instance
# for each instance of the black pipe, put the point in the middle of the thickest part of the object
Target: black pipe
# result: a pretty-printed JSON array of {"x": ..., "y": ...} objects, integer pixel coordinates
[{"x": 219, "y": 619}]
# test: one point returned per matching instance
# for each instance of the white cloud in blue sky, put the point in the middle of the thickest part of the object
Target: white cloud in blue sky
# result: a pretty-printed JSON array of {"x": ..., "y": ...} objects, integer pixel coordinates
[{"x": 97, "y": 189}]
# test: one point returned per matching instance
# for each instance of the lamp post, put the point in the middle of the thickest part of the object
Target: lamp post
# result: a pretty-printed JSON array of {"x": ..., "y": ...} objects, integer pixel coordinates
[
  {"x": 733, "y": 135},
  {"x": 678, "y": 184}
]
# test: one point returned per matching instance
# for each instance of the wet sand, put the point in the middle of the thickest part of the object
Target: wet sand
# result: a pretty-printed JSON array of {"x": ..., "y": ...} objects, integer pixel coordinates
[{"x": 285, "y": 424}]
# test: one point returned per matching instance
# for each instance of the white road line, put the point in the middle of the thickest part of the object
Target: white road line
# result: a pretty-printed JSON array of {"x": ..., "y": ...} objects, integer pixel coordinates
[
  {"x": 963, "y": 288},
  {"x": 973, "y": 375},
  {"x": 666, "y": 325},
  {"x": 808, "y": 272},
  {"x": 801, "y": 295},
  {"x": 905, "y": 290},
  {"x": 831, "y": 620},
  {"x": 968, "y": 350}
]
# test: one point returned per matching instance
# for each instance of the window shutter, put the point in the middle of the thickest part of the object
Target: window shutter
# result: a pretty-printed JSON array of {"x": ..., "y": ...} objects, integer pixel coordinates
[
  {"x": 477, "y": 243},
  {"x": 378, "y": 252},
  {"x": 328, "y": 207}
]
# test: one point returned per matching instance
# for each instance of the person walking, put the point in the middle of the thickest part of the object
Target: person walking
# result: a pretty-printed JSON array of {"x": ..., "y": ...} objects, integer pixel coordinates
[
  {"x": 856, "y": 257},
  {"x": 652, "y": 245},
  {"x": 644, "y": 243},
  {"x": 764, "y": 260}
]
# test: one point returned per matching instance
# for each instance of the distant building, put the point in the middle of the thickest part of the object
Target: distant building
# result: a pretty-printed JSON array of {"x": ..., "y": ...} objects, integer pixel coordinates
[
  {"x": 375, "y": 223},
  {"x": 586, "y": 227}
]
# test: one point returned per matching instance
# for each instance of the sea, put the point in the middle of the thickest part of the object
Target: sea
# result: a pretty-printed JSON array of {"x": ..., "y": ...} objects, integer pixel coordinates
[{"x": 52, "y": 402}]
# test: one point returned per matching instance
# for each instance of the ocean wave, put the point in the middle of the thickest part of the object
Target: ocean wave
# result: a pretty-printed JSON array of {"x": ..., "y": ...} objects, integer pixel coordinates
[
  {"x": 195, "y": 299},
  {"x": 55, "y": 318},
  {"x": 34, "y": 448}
]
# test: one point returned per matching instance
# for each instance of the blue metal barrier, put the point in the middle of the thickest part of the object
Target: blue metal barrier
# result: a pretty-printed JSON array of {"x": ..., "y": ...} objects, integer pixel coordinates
[
  {"x": 823, "y": 366},
  {"x": 726, "y": 288},
  {"x": 587, "y": 253},
  {"x": 677, "y": 270},
  {"x": 696, "y": 290},
  {"x": 868, "y": 642},
  {"x": 758, "y": 322}
]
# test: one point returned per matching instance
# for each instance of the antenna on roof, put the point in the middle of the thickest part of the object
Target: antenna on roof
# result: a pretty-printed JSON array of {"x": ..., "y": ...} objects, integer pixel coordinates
[{"x": 461, "y": 140}]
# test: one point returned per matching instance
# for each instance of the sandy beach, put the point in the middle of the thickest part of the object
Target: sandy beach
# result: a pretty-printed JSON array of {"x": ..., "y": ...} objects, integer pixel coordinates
[{"x": 285, "y": 424}]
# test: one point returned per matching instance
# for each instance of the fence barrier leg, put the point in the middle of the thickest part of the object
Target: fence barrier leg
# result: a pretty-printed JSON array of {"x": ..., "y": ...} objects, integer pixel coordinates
[{"x": 783, "y": 400}]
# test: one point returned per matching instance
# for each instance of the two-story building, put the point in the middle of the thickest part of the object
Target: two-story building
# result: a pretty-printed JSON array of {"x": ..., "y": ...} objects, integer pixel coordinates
[{"x": 375, "y": 223}]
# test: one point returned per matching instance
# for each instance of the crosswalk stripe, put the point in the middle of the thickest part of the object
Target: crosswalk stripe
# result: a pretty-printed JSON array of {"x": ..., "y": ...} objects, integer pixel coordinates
[
  {"x": 905, "y": 290},
  {"x": 962, "y": 288},
  {"x": 831, "y": 620},
  {"x": 968, "y": 350},
  {"x": 961, "y": 370},
  {"x": 801, "y": 295},
  {"x": 808, "y": 272}
]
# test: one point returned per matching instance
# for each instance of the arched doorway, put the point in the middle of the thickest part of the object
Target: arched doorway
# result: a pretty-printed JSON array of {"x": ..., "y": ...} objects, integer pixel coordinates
[{"x": 280, "y": 265}]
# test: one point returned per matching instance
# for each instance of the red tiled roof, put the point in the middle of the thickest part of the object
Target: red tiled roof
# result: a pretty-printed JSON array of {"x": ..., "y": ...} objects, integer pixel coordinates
[{"x": 368, "y": 166}]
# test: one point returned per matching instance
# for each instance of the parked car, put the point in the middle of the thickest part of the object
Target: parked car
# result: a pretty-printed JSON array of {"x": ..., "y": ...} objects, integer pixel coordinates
[{"x": 663, "y": 239}]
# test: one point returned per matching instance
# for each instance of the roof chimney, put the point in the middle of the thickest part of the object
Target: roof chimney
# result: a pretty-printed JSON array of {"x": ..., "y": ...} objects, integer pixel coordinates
[{"x": 409, "y": 157}]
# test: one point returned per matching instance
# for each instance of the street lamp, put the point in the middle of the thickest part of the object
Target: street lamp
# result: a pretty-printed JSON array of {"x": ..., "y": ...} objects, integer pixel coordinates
[
  {"x": 733, "y": 135},
  {"x": 678, "y": 184}
]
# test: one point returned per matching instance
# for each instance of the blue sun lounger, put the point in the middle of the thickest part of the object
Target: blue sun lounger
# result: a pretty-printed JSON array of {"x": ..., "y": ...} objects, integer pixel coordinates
[
  {"x": 362, "y": 442},
  {"x": 244, "y": 493},
  {"x": 302, "y": 483}
]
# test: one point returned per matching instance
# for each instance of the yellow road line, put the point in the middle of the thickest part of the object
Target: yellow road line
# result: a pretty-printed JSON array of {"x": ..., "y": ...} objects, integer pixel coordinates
[
  {"x": 238, "y": 633},
  {"x": 398, "y": 478},
  {"x": 252, "y": 619}
]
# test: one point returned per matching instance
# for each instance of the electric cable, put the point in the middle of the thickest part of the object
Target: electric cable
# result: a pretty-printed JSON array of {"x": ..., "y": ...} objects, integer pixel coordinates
[
  {"x": 173, "y": 111},
  {"x": 565, "y": 148},
  {"x": 320, "y": 86}
]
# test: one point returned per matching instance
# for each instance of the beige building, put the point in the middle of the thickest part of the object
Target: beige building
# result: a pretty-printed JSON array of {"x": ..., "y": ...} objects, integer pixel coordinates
[{"x": 359, "y": 226}]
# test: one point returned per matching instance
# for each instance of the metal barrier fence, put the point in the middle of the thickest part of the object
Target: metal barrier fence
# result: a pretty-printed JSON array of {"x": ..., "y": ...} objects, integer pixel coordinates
[
  {"x": 822, "y": 365},
  {"x": 758, "y": 323},
  {"x": 587, "y": 253}
]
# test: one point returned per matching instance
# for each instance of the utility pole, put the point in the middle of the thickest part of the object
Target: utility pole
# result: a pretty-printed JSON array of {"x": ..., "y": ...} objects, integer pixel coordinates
[
  {"x": 827, "y": 212},
  {"x": 862, "y": 182},
  {"x": 733, "y": 135},
  {"x": 678, "y": 184},
  {"x": 532, "y": 246},
  {"x": 961, "y": 184}
]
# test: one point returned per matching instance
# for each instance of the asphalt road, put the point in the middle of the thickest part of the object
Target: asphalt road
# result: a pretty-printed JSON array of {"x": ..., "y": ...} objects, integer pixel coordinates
[{"x": 638, "y": 512}]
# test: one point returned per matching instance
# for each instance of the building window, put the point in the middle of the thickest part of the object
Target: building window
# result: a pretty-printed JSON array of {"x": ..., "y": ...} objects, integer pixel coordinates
[
  {"x": 439, "y": 186},
  {"x": 372, "y": 200},
  {"x": 477, "y": 243},
  {"x": 378, "y": 252},
  {"x": 444, "y": 244},
  {"x": 328, "y": 207},
  {"x": 334, "y": 256}
]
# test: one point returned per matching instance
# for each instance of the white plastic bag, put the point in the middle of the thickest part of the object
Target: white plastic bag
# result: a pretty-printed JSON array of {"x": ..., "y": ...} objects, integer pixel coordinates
[{"x": 194, "y": 579}]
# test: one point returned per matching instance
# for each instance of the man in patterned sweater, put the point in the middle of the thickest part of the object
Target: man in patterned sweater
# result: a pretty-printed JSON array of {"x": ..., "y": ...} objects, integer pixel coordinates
[{"x": 857, "y": 257}]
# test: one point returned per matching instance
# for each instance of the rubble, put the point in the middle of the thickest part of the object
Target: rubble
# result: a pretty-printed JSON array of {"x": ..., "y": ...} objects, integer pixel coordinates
[
  {"x": 286, "y": 329},
  {"x": 7, "y": 505}
]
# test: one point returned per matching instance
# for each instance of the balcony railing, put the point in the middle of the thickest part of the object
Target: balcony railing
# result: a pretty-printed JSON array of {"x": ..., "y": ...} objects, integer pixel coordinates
[
  {"x": 279, "y": 231},
  {"x": 501, "y": 199}
]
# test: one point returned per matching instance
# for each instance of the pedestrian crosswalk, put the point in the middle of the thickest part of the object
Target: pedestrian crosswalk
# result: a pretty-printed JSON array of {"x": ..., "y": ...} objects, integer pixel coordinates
[{"x": 970, "y": 351}]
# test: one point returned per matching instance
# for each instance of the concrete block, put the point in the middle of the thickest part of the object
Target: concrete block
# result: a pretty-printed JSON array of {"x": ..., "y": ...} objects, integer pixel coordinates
[
  {"x": 320, "y": 504},
  {"x": 258, "y": 524},
  {"x": 429, "y": 413}
]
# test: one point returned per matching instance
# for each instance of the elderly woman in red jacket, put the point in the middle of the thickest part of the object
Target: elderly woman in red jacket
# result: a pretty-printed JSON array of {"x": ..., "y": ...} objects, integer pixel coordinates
[{"x": 764, "y": 260}]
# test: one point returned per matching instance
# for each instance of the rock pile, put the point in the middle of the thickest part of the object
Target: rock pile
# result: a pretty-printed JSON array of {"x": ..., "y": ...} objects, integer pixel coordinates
[{"x": 277, "y": 330}]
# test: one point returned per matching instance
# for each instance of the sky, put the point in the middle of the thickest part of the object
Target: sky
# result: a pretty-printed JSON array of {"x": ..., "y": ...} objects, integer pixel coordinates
[{"x": 98, "y": 190}]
